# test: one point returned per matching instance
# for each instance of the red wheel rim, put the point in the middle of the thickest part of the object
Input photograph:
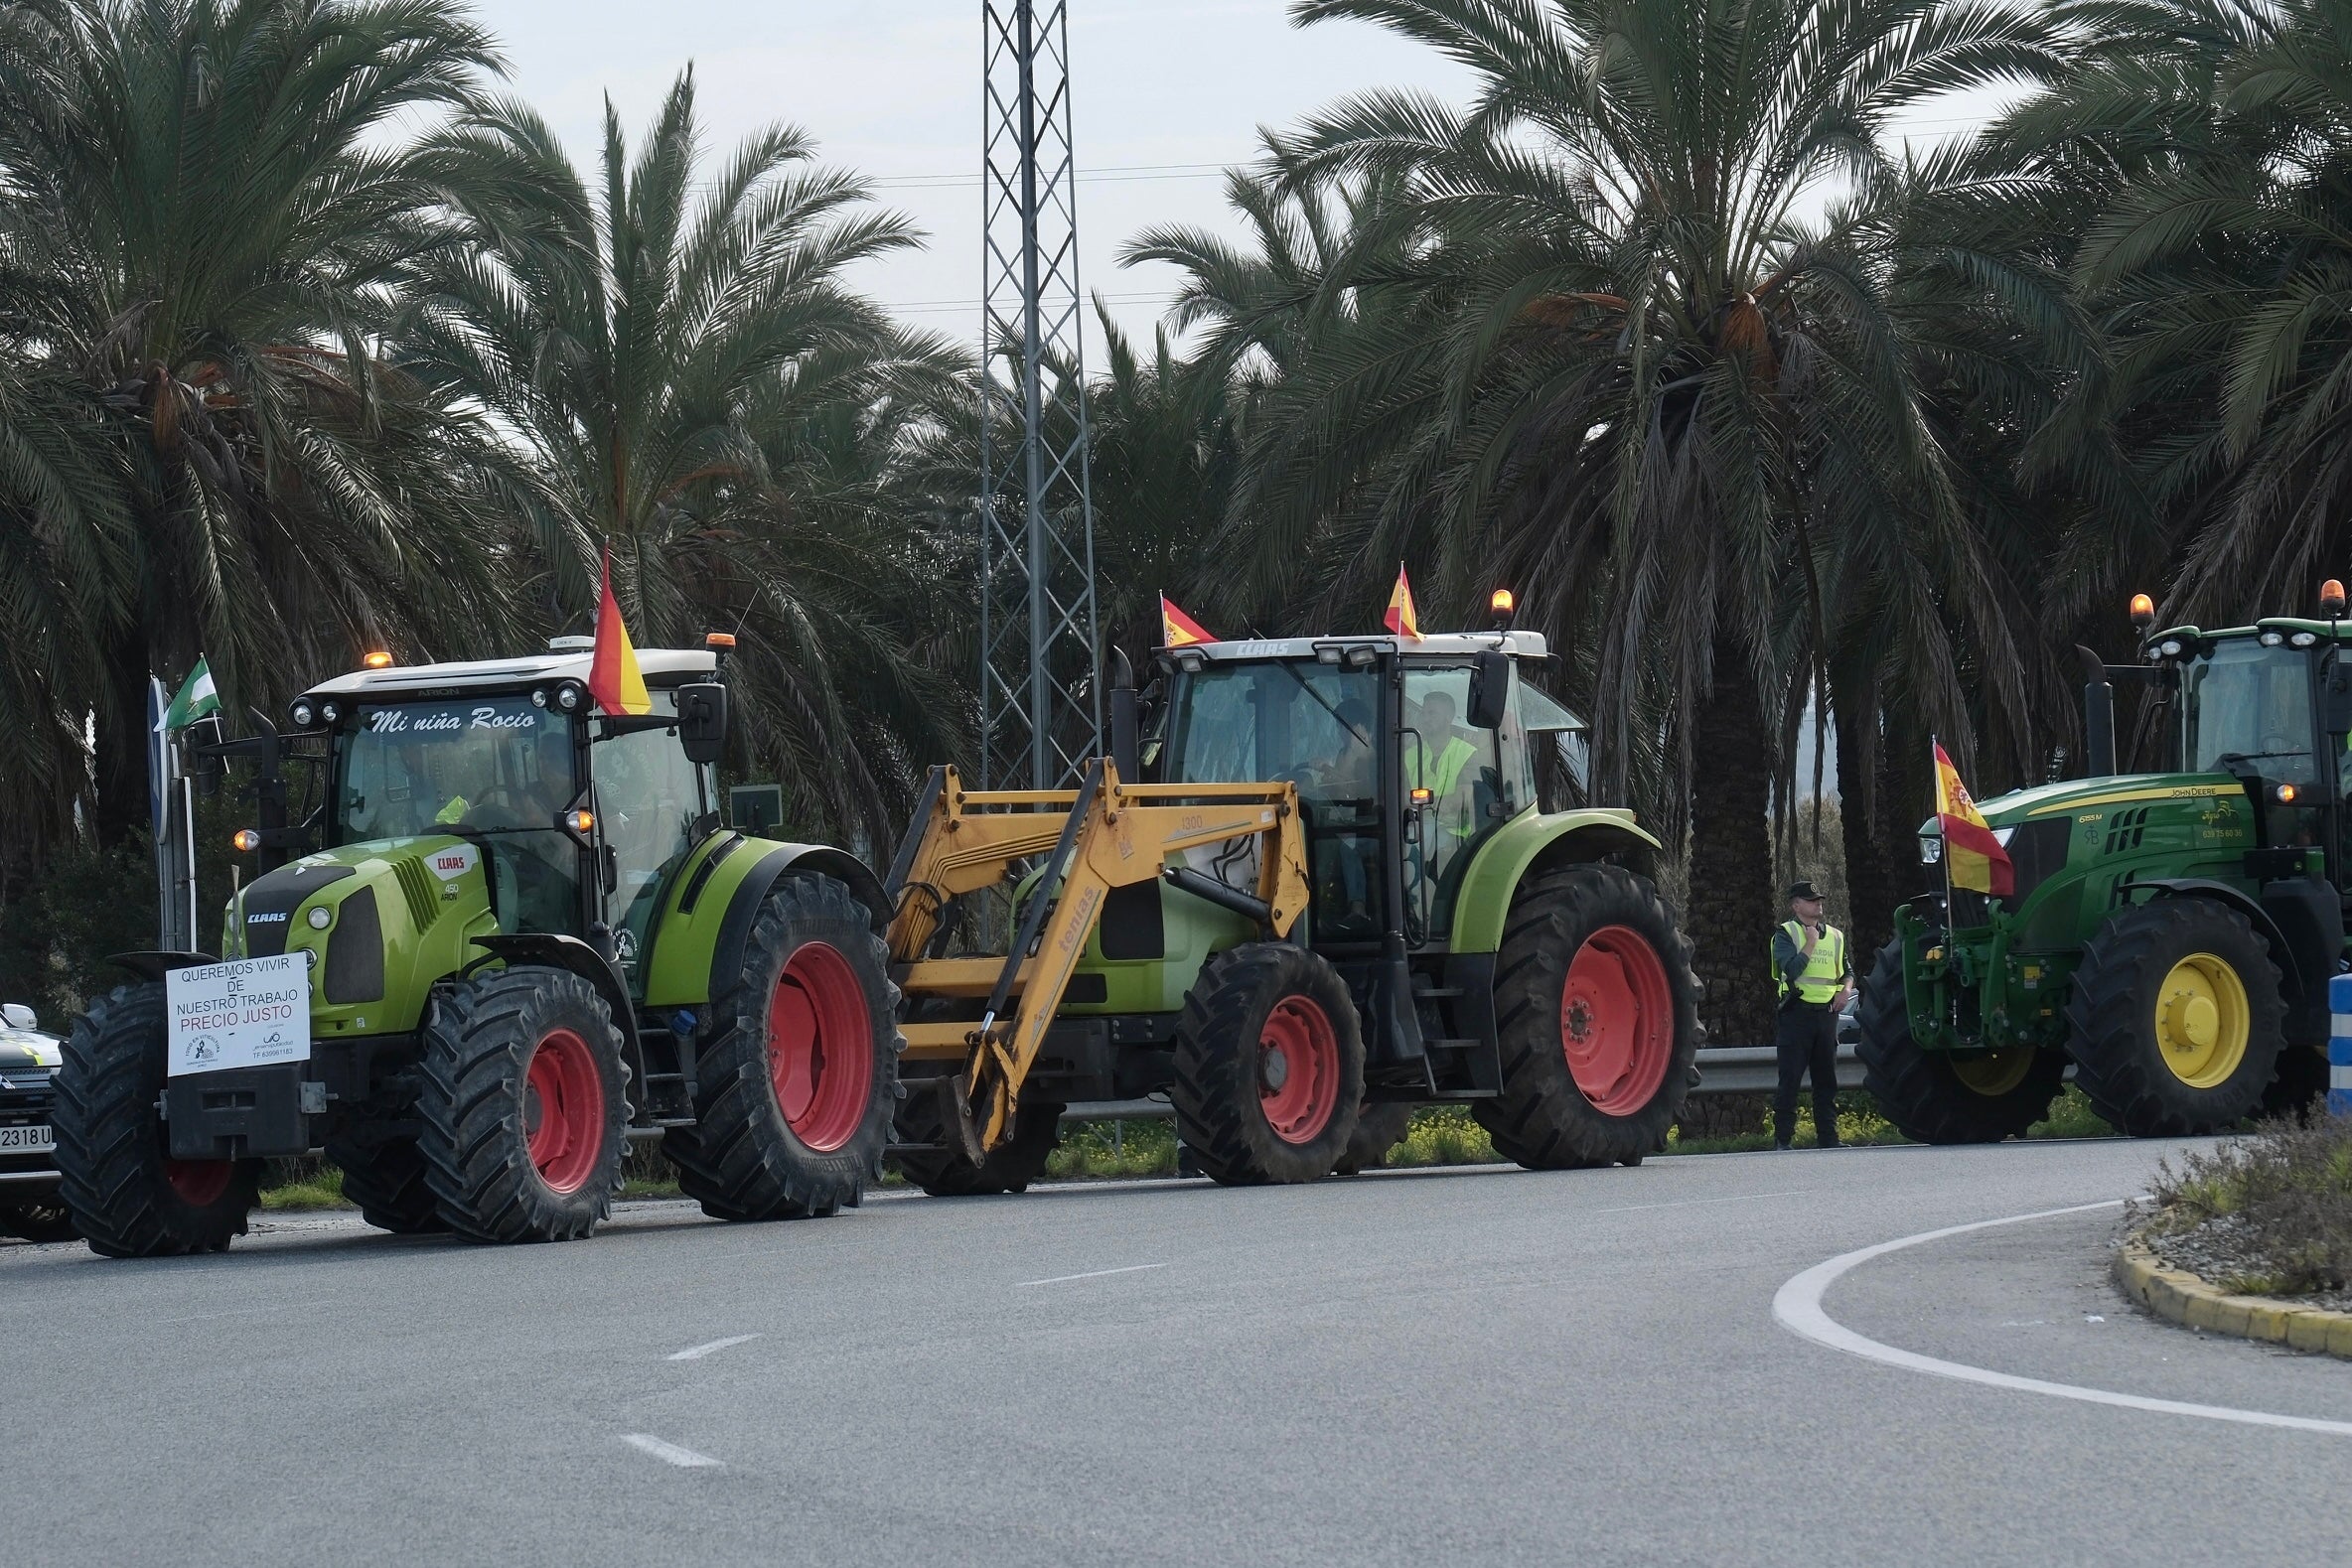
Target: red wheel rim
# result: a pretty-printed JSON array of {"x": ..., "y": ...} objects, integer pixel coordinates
[
  {"x": 563, "y": 1111},
  {"x": 1297, "y": 1069},
  {"x": 198, "y": 1183},
  {"x": 1617, "y": 1019},
  {"x": 820, "y": 1047}
]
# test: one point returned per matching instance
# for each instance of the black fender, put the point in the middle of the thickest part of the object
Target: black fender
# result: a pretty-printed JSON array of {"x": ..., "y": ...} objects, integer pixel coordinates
[
  {"x": 726, "y": 954},
  {"x": 156, "y": 964},
  {"x": 2292, "y": 966},
  {"x": 555, "y": 951}
]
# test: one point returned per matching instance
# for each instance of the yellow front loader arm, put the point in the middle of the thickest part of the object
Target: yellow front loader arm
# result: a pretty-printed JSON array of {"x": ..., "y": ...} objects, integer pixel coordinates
[{"x": 1105, "y": 834}]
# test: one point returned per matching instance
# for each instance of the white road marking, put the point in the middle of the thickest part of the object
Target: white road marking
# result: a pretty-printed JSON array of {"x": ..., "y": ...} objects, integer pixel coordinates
[
  {"x": 670, "y": 1453},
  {"x": 1796, "y": 1306},
  {"x": 1100, "y": 1274},
  {"x": 1694, "y": 1203},
  {"x": 695, "y": 1353}
]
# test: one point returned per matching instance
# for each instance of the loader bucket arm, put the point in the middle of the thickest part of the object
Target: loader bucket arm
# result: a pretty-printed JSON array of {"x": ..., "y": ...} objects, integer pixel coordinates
[{"x": 1105, "y": 834}]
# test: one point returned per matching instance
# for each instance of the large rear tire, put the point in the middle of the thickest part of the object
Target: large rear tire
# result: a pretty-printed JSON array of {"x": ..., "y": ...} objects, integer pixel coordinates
[
  {"x": 386, "y": 1179},
  {"x": 2176, "y": 1019},
  {"x": 944, "y": 1173},
  {"x": 1269, "y": 1067},
  {"x": 523, "y": 1105},
  {"x": 1597, "y": 1014},
  {"x": 1932, "y": 1097},
  {"x": 128, "y": 1197},
  {"x": 797, "y": 1066}
]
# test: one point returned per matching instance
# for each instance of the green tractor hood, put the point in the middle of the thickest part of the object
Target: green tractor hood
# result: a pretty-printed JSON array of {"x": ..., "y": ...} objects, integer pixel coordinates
[{"x": 382, "y": 921}]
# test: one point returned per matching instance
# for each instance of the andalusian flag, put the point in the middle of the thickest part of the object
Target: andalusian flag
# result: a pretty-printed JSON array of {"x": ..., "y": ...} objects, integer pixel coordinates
[
  {"x": 1178, "y": 630},
  {"x": 197, "y": 698},
  {"x": 1972, "y": 857},
  {"x": 1401, "y": 618},
  {"x": 614, "y": 679}
]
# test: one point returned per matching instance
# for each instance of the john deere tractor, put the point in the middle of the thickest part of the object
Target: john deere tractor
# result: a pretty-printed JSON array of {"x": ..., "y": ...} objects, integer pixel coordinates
[
  {"x": 2168, "y": 935},
  {"x": 1314, "y": 884},
  {"x": 508, "y": 935}
]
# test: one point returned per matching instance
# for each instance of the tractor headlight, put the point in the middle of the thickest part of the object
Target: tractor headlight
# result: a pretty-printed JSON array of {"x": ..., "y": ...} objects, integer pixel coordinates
[
  {"x": 2171, "y": 647},
  {"x": 1931, "y": 849},
  {"x": 319, "y": 918},
  {"x": 567, "y": 697},
  {"x": 331, "y": 713},
  {"x": 2305, "y": 639},
  {"x": 538, "y": 696},
  {"x": 2271, "y": 638},
  {"x": 303, "y": 714}
]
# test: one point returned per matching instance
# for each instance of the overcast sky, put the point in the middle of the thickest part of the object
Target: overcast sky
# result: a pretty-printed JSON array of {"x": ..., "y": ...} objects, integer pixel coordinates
[{"x": 891, "y": 87}]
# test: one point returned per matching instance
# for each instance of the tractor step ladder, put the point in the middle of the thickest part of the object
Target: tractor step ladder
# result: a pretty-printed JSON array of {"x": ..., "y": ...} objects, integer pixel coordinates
[{"x": 1080, "y": 844}]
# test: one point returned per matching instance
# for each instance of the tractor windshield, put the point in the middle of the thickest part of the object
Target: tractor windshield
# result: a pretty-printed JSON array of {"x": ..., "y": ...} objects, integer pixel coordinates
[
  {"x": 1311, "y": 724},
  {"x": 2247, "y": 708},
  {"x": 497, "y": 768}
]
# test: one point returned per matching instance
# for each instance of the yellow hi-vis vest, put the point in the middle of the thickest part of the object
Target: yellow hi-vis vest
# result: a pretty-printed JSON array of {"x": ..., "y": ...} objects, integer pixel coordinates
[{"x": 1825, "y": 969}]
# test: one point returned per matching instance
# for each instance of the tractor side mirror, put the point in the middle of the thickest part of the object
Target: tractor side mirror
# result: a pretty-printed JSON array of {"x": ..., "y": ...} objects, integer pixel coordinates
[
  {"x": 702, "y": 720},
  {"x": 1490, "y": 691}
]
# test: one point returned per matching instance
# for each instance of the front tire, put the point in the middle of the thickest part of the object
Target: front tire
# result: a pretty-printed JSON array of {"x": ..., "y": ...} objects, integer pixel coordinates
[
  {"x": 387, "y": 1180},
  {"x": 1269, "y": 1067},
  {"x": 38, "y": 1220},
  {"x": 2176, "y": 1019},
  {"x": 1378, "y": 1128},
  {"x": 128, "y": 1197},
  {"x": 1597, "y": 1015},
  {"x": 1933, "y": 1097},
  {"x": 798, "y": 1063},
  {"x": 944, "y": 1173},
  {"x": 523, "y": 1105}
]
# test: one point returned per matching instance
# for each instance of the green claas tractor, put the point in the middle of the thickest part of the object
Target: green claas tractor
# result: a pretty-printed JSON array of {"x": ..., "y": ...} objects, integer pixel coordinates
[
  {"x": 502, "y": 934},
  {"x": 1317, "y": 881},
  {"x": 2171, "y": 936}
]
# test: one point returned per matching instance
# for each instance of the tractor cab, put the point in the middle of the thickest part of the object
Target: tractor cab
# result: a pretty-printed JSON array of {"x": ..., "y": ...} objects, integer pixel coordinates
[
  {"x": 1428, "y": 745},
  {"x": 579, "y": 819},
  {"x": 2254, "y": 703}
]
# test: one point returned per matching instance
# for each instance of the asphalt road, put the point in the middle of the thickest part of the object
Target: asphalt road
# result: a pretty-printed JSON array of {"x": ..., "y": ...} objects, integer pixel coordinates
[{"x": 1487, "y": 1367}]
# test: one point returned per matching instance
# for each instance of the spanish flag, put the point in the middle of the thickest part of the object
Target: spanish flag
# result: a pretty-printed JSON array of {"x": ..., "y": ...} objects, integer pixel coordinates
[
  {"x": 1972, "y": 857},
  {"x": 1178, "y": 630},
  {"x": 614, "y": 679},
  {"x": 1401, "y": 618}
]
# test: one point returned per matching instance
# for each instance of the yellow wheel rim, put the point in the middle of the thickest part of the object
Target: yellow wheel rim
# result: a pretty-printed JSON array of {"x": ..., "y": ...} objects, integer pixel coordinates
[
  {"x": 1996, "y": 1072},
  {"x": 2202, "y": 1021}
]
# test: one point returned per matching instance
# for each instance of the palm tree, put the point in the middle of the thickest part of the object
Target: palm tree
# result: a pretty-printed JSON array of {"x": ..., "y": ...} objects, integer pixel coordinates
[
  {"x": 703, "y": 393},
  {"x": 2207, "y": 146},
  {"x": 200, "y": 220},
  {"x": 1612, "y": 355}
]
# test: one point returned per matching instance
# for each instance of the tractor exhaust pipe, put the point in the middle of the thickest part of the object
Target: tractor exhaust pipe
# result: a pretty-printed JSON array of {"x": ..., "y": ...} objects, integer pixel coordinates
[
  {"x": 1126, "y": 752},
  {"x": 2099, "y": 717}
]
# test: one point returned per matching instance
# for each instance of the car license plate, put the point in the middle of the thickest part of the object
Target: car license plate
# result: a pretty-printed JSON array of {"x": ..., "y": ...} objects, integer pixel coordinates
[{"x": 35, "y": 1139}]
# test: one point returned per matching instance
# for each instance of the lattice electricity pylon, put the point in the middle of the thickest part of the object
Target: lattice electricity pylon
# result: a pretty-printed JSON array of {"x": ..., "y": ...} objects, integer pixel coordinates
[{"x": 1041, "y": 702}]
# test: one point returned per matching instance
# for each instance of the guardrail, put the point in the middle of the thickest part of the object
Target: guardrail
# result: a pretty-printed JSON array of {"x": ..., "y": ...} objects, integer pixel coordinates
[{"x": 1722, "y": 1070}]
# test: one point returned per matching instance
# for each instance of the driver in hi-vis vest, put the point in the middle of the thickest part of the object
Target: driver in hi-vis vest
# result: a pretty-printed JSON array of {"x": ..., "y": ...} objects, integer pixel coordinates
[{"x": 1809, "y": 964}]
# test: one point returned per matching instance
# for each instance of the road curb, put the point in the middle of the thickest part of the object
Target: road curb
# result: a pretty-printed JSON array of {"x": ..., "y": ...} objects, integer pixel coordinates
[{"x": 2189, "y": 1301}]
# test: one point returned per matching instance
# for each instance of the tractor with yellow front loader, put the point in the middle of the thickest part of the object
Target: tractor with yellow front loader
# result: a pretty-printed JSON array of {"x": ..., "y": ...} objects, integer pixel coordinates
[{"x": 1317, "y": 881}]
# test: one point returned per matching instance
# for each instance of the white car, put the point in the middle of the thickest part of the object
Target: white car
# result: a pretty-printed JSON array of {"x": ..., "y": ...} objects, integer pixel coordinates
[{"x": 29, "y": 1061}]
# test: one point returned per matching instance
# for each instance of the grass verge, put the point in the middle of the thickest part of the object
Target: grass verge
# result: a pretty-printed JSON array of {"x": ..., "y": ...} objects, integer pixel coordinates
[{"x": 2267, "y": 1214}]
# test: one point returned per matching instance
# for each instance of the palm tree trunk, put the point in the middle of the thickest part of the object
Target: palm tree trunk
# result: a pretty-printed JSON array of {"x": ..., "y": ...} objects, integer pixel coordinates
[
  {"x": 122, "y": 743},
  {"x": 1863, "y": 805},
  {"x": 1731, "y": 898}
]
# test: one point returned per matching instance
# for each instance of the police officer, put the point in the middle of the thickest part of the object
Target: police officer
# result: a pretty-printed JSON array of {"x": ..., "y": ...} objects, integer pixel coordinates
[{"x": 1809, "y": 963}]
